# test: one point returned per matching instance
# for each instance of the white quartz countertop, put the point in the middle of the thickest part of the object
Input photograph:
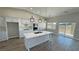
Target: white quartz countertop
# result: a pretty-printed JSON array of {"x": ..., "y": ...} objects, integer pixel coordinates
[{"x": 32, "y": 34}]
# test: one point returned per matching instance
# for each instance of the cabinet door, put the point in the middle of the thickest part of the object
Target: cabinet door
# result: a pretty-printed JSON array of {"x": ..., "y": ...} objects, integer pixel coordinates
[
  {"x": 41, "y": 26},
  {"x": 24, "y": 26}
]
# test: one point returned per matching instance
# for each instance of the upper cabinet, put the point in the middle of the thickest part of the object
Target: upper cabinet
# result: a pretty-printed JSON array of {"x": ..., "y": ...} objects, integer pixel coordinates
[
  {"x": 24, "y": 26},
  {"x": 41, "y": 26}
]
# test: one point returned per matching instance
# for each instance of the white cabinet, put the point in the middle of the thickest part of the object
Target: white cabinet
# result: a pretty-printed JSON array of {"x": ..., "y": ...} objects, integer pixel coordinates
[
  {"x": 32, "y": 40},
  {"x": 41, "y": 26},
  {"x": 3, "y": 33},
  {"x": 25, "y": 26}
]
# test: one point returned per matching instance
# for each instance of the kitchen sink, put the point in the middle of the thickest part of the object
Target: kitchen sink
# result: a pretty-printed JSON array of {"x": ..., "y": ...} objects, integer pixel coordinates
[{"x": 37, "y": 32}]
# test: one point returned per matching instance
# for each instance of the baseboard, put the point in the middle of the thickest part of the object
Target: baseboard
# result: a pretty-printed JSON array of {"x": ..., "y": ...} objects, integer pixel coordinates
[{"x": 13, "y": 37}]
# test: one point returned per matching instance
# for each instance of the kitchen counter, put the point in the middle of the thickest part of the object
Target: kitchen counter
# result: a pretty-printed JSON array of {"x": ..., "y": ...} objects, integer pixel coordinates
[
  {"x": 32, "y": 34},
  {"x": 35, "y": 38}
]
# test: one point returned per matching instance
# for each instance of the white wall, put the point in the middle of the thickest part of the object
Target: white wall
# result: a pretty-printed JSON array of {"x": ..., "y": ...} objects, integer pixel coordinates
[
  {"x": 3, "y": 33},
  {"x": 68, "y": 18}
]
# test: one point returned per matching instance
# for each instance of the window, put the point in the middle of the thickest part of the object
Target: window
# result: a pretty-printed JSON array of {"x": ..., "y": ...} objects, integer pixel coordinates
[{"x": 51, "y": 26}]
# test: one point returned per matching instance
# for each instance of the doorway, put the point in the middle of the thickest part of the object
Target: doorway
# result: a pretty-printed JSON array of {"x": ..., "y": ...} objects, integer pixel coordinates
[
  {"x": 13, "y": 29},
  {"x": 67, "y": 29}
]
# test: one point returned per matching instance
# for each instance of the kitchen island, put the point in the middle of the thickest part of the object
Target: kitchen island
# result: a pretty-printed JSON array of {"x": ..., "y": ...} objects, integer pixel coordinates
[{"x": 35, "y": 38}]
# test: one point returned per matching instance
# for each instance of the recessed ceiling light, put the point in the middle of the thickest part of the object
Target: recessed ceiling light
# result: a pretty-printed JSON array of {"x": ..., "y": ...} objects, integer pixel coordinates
[{"x": 31, "y": 8}]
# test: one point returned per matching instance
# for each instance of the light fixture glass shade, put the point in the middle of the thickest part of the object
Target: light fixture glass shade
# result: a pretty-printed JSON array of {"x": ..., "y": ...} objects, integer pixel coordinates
[
  {"x": 39, "y": 20},
  {"x": 32, "y": 19},
  {"x": 45, "y": 20}
]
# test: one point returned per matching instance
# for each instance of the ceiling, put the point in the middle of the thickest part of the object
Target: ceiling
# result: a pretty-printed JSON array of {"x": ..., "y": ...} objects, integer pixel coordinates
[{"x": 50, "y": 11}]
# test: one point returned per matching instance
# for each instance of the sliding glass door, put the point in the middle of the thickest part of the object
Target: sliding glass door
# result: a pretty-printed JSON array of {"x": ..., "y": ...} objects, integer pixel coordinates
[
  {"x": 67, "y": 29},
  {"x": 62, "y": 28}
]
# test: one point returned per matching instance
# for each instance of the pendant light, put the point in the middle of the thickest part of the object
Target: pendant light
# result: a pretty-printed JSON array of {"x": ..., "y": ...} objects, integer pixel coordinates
[
  {"x": 46, "y": 18},
  {"x": 32, "y": 19},
  {"x": 46, "y": 15},
  {"x": 40, "y": 19}
]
